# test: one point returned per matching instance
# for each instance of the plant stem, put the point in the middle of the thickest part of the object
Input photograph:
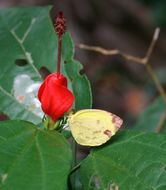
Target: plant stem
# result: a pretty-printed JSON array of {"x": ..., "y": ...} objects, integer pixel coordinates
[
  {"x": 75, "y": 168},
  {"x": 73, "y": 176},
  {"x": 70, "y": 184},
  {"x": 59, "y": 54}
]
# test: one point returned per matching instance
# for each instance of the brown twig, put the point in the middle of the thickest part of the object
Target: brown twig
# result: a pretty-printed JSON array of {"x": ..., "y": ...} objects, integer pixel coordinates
[
  {"x": 138, "y": 60},
  {"x": 111, "y": 53},
  {"x": 127, "y": 57},
  {"x": 152, "y": 45}
]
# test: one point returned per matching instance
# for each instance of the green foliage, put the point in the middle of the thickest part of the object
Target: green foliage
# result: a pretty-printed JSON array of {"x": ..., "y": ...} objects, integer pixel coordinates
[
  {"x": 32, "y": 159},
  {"x": 132, "y": 161},
  {"x": 80, "y": 84},
  {"x": 27, "y": 34},
  {"x": 150, "y": 118}
]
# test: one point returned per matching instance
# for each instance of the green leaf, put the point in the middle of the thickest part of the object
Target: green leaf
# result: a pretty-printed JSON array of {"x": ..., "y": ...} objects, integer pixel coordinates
[
  {"x": 79, "y": 83},
  {"x": 27, "y": 35},
  {"x": 131, "y": 161},
  {"x": 32, "y": 159},
  {"x": 150, "y": 118}
]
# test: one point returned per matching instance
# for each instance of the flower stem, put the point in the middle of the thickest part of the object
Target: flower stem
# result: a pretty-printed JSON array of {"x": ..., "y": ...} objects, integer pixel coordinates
[{"x": 59, "y": 54}]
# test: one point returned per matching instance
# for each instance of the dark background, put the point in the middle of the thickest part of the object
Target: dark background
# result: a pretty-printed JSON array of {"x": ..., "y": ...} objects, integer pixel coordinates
[{"x": 118, "y": 86}]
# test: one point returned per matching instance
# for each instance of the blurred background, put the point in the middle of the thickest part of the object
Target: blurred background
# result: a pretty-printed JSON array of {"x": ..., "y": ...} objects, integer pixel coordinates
[{"x": 118, "y": 86}]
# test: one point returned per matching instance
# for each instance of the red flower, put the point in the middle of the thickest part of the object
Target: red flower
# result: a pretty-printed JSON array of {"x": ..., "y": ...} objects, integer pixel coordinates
[{"x": 54, "y": 96}]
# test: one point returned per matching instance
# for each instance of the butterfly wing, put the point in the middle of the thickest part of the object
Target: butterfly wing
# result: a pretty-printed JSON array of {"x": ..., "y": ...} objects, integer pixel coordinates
[{"x": 93, "y": 127}]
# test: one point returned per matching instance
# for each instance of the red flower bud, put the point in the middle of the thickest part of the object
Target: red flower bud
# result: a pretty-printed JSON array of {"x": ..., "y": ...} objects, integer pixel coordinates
[{"x": 54, "y": 96}]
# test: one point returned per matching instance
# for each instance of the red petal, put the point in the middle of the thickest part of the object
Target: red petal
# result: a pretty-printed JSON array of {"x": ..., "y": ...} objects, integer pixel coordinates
[
  {"x": 40, "y": 91},
  {"x": 57, "y": 78}
]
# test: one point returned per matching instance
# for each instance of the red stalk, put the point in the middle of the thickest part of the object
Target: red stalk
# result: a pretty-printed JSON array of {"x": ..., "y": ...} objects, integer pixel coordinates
[{"x": 59, "y": 55}]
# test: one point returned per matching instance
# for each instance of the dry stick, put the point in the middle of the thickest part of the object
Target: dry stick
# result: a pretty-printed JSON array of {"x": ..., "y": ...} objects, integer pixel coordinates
[
  {"x": 111, "y": 53},
  {"x": 124, "y": 55},
  {"x": 149, "y": 68},
  {"x": 138, "y": 60},
  {"x": 152, "y": 45}
]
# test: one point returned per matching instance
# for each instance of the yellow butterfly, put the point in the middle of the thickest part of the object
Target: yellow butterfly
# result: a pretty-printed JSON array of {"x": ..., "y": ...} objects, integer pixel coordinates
[{"x": 93, "y": 127}]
